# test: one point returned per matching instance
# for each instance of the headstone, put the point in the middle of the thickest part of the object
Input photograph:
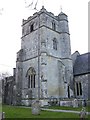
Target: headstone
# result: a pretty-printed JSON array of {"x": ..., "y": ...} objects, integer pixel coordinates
[
  {"x": 27, "y": 102},
  {"x": 75, "y": 103},
  {"x": 83, "y": 114},
  {"x": 44, "y": 102},
  {"x": 2, "y": 115},
  {"x": 84, "y": 103},
  {"x": 36, "y": 107}
]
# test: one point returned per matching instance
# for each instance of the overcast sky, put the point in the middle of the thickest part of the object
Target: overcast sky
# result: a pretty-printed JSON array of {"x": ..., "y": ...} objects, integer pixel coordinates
[{"x": 11, "y": 21}]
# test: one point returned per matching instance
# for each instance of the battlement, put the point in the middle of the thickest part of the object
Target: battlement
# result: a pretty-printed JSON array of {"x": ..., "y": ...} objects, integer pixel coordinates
[{"x": 61, "y": 16}]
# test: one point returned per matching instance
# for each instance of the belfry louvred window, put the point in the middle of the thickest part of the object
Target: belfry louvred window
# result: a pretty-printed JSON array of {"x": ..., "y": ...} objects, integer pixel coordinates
[
  {"x": 55, "y": 43},
  {"x": 53, "y": 25},
  {"x": 31, "y": 28}
]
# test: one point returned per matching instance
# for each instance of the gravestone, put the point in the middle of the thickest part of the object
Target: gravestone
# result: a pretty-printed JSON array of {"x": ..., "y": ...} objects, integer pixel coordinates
[
  {"x": 75, "y": 103},
  {"x": 2, "y": 115},
  {"x": 35, "y": 107},
  {"x": 84, "y": 103},
  {"x": 83, "y": 114}
]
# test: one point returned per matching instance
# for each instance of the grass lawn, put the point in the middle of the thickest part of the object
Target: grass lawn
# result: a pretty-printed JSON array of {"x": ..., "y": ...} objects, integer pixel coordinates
[
  {"x": 19, "y": 112},
  {"x": 0, "y": 107},
  {"x": 69, "y": 108}
]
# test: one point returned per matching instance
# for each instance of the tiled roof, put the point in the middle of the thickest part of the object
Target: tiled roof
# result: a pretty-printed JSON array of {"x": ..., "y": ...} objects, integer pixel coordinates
[{"x": 82, "y": 64}]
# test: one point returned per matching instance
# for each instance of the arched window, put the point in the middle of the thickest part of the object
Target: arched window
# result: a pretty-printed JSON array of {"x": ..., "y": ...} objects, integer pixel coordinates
[
  {"x": 53, "y": 25},
  {"x": 55, "y": 43},
  {"x": 31, "y": 77},
  {"x": 78, "y": 88}
]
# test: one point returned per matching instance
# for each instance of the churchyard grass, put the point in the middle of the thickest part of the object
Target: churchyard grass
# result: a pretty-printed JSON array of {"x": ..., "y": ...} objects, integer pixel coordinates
[
  {"x": 20, "y": 112},
  {"x": 69, "y": 108},
  {"x": 0, "y": 107}
]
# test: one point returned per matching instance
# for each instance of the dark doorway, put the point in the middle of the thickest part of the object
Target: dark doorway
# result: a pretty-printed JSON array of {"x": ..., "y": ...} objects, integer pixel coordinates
[{"x": 68, "y": 91}]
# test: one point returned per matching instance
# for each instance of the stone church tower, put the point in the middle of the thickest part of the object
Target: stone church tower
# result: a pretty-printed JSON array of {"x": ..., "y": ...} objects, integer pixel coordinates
[{"x": 44, "y": 65}]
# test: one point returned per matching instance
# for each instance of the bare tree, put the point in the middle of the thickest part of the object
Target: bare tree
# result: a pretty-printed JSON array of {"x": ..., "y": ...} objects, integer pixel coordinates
[
  {"x": 32, "y": 5},
  {"x": 4, "y": 74},
  {"x": 1, "y": 10}
]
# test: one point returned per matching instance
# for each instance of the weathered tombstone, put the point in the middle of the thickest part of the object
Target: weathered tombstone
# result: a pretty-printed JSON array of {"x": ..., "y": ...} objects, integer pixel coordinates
[
  {"x": 82, "y": 114},
  {"x": 2, "y": 116},
  {"x": 36, "y": 107},
  {"x": 75, "y": 103},
  {"x": 27, "y": 101},
  {"x": 84, "y": 103}
]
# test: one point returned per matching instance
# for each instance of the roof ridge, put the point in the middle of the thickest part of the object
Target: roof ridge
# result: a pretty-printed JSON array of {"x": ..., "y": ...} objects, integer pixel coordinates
[{"x": 84, "y": 53}]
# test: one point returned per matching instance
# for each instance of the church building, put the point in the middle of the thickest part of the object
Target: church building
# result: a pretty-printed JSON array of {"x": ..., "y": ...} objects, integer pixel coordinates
[{"x": 44, "y": 66}]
